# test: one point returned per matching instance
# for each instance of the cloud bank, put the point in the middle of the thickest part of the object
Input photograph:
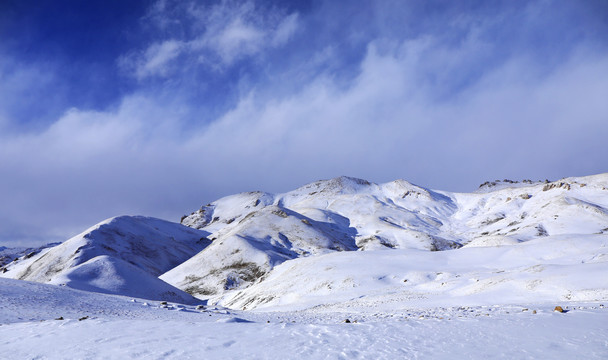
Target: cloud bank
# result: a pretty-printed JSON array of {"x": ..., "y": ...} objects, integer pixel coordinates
[{"x": 239, "y": 96}]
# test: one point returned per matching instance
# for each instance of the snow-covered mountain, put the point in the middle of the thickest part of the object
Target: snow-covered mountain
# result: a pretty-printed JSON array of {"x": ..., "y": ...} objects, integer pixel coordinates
[
  {"x": 333, "y": 241},
  {"x": 122, "y": 255},
  {"x": 254, "y": 232}
]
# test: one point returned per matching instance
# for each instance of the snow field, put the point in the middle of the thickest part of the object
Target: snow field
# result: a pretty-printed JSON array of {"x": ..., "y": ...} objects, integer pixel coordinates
[
  {"x": 547, "y": 335},
  {"x": 113, "y": 327}
]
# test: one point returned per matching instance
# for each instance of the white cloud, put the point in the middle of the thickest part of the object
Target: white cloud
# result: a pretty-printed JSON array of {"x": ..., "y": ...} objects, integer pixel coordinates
[
  {"x": 388, "y": 123},
  {"x": 223, "y": 34},
  {"x": 154, "y": 61},
  {"x": 232, "y": 41},
  {"x": 236, "y": 30},
  {"x": 285, "y": 30},
  {"x": 157, "y": 58}
]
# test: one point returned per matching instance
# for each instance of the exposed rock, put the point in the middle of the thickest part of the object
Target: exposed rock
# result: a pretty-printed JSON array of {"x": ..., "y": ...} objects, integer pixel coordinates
[
  {"x": 541, "y": 231},
  {"x": 280, "y": 213},
  {"x": 555, "y": 185}
]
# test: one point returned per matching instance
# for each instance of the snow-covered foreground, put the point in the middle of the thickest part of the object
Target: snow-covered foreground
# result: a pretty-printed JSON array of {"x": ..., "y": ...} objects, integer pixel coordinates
[
  {"x": 545, "y": 336},
  {"x": 120, "y": 327}
]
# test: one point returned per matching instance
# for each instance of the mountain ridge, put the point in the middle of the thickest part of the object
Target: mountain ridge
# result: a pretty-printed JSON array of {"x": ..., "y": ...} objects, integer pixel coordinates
[
  {"x": 396, "y": 214},
  {"x": 227, "y": 250}
]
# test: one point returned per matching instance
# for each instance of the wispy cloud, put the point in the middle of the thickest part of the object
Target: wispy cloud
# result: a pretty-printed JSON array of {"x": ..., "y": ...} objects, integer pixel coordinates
[
  {"x": 155, "y": 60},
  {"x": 218, "y": 36},
  {"x": 285, "y": 29}
]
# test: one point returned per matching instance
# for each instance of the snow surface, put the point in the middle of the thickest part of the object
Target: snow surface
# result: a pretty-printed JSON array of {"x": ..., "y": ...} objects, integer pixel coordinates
[{"x": 96, "y": 326}]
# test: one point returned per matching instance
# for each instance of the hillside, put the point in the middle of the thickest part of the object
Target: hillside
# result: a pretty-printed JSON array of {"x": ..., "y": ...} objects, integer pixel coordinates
[
  {"x": 551, "y": 269},
  {"x": 122, "y": 255}
]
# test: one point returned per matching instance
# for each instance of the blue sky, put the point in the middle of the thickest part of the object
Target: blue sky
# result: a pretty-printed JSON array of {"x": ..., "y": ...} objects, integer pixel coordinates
[{"x": 158, "y": 107}]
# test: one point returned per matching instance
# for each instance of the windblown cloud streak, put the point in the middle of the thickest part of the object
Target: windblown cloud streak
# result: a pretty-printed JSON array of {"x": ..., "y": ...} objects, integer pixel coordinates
[
  {"x": 222, "y": 34},
  {"x": 436, "y": 108}
]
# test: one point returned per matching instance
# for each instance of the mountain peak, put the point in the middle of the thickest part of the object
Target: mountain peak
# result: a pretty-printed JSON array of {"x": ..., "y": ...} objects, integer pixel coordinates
[{"x": 338, "y": 185}]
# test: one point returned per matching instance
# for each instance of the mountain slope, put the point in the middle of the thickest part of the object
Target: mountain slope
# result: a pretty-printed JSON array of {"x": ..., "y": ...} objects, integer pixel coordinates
[
  {"x": 548, "y": 269},
  {"x": 245, "y": 252},
  {"x": 122, "y": 255}
]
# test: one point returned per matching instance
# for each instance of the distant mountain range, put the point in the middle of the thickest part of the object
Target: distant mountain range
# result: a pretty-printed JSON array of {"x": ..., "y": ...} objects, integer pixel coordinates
[{"x": 227, "y": 249}]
